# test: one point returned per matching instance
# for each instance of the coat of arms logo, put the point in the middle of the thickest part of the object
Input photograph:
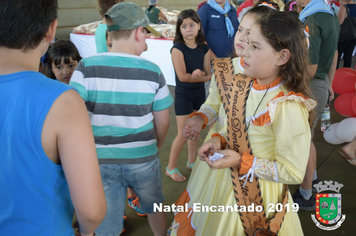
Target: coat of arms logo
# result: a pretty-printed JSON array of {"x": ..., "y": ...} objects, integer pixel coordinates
[{"x": 328, "y": 206}]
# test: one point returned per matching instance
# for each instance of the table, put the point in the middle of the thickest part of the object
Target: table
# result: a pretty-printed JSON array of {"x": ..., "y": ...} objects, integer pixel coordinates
[{"x": 158, "y": 52}]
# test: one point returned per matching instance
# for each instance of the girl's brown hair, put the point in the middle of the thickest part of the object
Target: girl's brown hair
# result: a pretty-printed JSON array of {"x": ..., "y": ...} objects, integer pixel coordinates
[
  {"x": 199, "y": 39},
  {"x": 257, "y": 11},
  {"x": 283, "y": 30}
]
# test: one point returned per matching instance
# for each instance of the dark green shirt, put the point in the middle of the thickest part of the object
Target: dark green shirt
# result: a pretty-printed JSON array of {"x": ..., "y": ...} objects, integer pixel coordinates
[
  {"x": 153, "y": 15},
  {"x": 324, "y": 32}
]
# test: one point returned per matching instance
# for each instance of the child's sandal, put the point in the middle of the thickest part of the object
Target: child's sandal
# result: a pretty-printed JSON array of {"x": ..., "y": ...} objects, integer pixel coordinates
[
  {"x": 170, "y": 172},
  {"x": 190, "y": 167}
]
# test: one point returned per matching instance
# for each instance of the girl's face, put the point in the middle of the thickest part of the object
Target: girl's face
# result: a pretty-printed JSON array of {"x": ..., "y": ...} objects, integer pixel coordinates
[
  {"x": 63, "y": 71},
  {"x": 243, "y": 31},
  {"x": 189, "y": 29},
  {"x": 260, "y": 60}
]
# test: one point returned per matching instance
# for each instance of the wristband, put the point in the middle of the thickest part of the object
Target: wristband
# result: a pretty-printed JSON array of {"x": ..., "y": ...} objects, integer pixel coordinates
[
  {"x": 202, "y": 115},
  {"x": 222, "y": 140}
]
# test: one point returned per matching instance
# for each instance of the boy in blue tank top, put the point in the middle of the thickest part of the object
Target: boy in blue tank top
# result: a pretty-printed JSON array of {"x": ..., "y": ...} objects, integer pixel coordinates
[{"x": 48, "y": 159}]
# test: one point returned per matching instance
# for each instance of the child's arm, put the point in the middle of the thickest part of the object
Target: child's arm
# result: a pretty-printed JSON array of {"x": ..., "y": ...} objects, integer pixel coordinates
[
  {"x": 292, "y": 134},
  {"x": 163, "y": 100},
  {"x": 180, "y": 68},
  {"x": 206, "y": 74},
  {"x": 161, "y": 123},
  {"x": 210, "y": 109},
  {"x": 67, "y": 129}
]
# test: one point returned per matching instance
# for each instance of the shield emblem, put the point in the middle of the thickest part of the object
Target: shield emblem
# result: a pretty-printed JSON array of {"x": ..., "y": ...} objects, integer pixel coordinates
[{"x": 328, "y": 208}]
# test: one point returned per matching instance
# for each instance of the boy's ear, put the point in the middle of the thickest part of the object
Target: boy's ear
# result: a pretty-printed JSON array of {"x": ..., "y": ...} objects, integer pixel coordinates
[
  {"x": 283, "y": 57},
  {"x": 137, "y": 33},
  {"x": 51, "y": 33}
]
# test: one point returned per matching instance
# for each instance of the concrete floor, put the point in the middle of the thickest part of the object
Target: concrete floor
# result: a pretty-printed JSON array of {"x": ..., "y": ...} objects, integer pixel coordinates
[{"x": 330, "y": 166}]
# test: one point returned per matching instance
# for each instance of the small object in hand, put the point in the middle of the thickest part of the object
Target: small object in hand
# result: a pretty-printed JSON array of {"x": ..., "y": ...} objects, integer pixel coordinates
[{"x": 216, "y": 156}]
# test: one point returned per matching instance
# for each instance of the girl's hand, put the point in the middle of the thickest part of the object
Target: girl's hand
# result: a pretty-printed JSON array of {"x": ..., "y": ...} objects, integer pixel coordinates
[
  {"x": 231, "y": 159},
  {"x": 208, "y": 148},
  {"x": 196, "y": 74},
  {"x": 193, "y": 127}
]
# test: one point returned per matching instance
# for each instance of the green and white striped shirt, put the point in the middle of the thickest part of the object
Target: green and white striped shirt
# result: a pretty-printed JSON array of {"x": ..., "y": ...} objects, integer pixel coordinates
[{"x": 120, "y": 92}]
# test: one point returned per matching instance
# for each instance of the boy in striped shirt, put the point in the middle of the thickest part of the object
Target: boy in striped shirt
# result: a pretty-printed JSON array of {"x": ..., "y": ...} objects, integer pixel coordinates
[{"x": 127, "y": 100}]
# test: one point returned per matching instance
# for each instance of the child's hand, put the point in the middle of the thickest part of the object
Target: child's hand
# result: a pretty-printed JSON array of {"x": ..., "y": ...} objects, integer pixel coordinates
[
  {"x": 230, "y": 159},
  {"x": 208, "y": 148},
  {"x": 196, "y": 74},
  {"x": 193, "y": 127}
]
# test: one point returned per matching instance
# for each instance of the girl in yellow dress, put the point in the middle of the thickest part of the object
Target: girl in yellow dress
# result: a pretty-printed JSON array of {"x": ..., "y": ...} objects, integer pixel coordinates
[{"x": 277, "y": 117}]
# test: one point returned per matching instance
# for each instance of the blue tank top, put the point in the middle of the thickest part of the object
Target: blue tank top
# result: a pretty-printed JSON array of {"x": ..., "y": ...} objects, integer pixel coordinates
[{"x": 34, "y": 197}]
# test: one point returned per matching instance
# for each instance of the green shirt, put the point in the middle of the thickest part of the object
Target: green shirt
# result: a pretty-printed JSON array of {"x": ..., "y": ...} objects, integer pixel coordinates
[
  {"x": 153, "y": 15},
  {"x": 100, "y": 38},
  {"x": 324, "y": 32}
]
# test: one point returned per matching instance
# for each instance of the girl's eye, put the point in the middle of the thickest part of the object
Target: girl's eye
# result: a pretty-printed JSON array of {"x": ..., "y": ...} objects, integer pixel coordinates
[
  {"x": 239, "y": 30},
  {"x": 58, "y": 67},
  {"x": 254, "y": 47},
  {"x": 184, "y": 26}
]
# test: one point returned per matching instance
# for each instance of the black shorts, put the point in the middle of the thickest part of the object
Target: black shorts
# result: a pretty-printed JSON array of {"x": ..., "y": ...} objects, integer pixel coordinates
[{"x": 184, "y": 105}]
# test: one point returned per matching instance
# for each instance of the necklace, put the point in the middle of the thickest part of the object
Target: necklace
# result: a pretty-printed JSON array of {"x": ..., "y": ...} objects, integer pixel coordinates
[{"x": 248, "y": 125}]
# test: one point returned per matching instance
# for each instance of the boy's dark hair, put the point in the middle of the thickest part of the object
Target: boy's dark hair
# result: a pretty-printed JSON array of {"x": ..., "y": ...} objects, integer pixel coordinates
[
  {"x": 105, "y": 5},
  {"x": 189, "y": 13},
  {"x": 24, "y": 24},
  {"x": 60, "y": 49}
]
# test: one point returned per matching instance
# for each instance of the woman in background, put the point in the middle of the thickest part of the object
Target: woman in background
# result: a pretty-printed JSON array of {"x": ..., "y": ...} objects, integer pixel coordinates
[{"x": 154, "y": 13}]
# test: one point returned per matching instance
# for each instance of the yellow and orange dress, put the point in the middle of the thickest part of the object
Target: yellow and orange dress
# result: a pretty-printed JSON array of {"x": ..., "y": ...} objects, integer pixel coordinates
[{"x": 280, "y": 137}]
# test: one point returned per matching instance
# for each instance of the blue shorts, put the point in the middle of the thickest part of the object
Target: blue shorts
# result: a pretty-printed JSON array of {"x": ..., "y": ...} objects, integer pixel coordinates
[{"x": 144, "y": 178}]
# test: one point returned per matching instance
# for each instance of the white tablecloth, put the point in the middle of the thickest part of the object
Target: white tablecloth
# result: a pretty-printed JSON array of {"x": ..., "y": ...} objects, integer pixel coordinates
[{"x": 158, "y": 52}]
